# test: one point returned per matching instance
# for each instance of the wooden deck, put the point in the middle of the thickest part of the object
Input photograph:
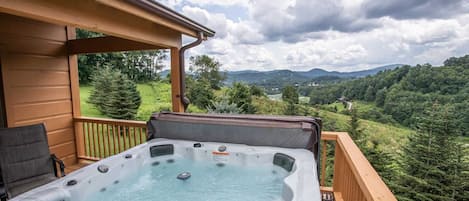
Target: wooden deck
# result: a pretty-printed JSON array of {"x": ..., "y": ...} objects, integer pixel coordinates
[{"x": 71, "y": 168}]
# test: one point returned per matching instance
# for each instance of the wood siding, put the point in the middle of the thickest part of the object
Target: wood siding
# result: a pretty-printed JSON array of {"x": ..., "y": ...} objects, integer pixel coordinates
[{"x": 36, "y": 78}]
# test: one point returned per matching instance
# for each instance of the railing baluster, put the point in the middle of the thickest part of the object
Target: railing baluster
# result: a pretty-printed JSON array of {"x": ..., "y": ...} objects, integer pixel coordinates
[
  {"x": 142, "y": 135},
  {"x": 96, "y": 139},
  {"x": 119, "y": 136},
  {"x": 135, "y": 136},
  {"x": 323, "y": 163},
  {"x": 109, "y": 144},
  {"x": 87, "y": 139},
  {"x": 101, "y": 140},
  {"x": 124, "y": 134},
  {"x": 116, "y": 139}
]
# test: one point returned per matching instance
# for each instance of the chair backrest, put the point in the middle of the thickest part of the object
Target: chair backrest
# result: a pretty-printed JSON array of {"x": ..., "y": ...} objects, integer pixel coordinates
[{"x": 24, "y": 158}]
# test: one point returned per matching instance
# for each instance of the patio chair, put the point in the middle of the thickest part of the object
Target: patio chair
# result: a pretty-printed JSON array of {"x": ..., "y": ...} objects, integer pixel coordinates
[{"x": 25, "y": 160}]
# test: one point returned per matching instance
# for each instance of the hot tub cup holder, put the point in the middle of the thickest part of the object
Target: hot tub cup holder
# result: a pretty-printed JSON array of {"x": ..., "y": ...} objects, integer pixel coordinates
[{"x": 128, "y": 156}]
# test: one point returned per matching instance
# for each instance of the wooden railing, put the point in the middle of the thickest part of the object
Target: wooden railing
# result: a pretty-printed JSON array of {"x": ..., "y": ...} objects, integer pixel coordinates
[
  {"x": 354, "y": 179},
  {"x": 99, "y": 138}
]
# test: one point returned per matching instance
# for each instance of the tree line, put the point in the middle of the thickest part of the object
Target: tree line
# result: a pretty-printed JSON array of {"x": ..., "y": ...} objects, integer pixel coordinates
[
  {"x": 138, "y": 66},
  {"x": 406, "y": 92}
]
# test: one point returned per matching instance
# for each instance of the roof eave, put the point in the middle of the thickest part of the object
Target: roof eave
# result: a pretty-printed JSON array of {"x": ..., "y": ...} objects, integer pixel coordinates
[{"x": 166, "y": 12}]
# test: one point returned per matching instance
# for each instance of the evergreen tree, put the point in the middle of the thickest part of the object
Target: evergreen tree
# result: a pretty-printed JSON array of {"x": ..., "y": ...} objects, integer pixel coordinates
[
  {"x": 432, "y": 161},
  {"x": 240, "y": 95},
  {"x": 114, "y": 95},
  {"x": 354, "y": 130},
  {"x": 290, "y": 95},
  {"x": 223, "y": 107},
  {"x": 103, "y": 79},
  {"x": 124, "y": 98},
  {"x": 381, "y": 97}
]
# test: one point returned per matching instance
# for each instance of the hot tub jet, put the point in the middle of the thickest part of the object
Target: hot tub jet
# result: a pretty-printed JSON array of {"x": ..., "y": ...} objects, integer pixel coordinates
[{"x": 184, "y": 176}]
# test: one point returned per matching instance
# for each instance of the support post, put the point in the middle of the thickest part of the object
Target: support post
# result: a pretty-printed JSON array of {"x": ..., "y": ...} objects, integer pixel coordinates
[
  {"x": 75, "y": 92},
  {"x": 176, "y": 81}
]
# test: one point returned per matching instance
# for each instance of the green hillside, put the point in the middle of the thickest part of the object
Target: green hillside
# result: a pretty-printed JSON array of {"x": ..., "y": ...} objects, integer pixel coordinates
[{"x": 156, "y": 96}]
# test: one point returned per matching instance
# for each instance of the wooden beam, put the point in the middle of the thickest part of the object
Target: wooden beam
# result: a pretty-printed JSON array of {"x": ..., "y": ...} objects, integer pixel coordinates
[
  {"x": 106, "y": 44},
  {"x": 94, "y": 16},
  {"x": 175, "y": 81}
]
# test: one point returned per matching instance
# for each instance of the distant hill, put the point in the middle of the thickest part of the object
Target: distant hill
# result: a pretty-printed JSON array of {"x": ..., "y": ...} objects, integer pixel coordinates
[{"x": 260, "y": 77}]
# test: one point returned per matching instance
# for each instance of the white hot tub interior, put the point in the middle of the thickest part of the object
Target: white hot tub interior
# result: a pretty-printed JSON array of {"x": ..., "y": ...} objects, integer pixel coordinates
[{"x": 208, "y": 171}]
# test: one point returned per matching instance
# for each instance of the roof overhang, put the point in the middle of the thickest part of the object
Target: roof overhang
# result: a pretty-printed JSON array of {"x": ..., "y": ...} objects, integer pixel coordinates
[
  {"x": 168, "y": 13},
  {"x": 137, "y": 20}
]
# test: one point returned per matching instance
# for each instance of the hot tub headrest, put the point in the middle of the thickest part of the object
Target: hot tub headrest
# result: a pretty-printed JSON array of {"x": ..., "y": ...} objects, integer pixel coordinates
[{"x": 254, "y": 130}]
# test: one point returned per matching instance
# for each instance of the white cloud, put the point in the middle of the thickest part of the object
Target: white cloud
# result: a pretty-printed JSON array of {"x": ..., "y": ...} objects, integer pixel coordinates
[{"x": 334, "y": 35}]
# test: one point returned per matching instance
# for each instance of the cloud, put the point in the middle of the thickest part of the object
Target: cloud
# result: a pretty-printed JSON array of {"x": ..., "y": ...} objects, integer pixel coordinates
[
  {"x": 291, "y": 20},
  {"x": 341, "y": 35},
  {"x": 415, "y": 9}
]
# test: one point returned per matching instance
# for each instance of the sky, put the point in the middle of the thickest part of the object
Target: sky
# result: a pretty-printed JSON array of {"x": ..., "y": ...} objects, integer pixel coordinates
[{"x": 340, "y": 35}]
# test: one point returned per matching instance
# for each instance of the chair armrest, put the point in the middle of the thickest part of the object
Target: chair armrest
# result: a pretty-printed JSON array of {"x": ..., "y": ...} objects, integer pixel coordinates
[{"x": 61, "y": 165}]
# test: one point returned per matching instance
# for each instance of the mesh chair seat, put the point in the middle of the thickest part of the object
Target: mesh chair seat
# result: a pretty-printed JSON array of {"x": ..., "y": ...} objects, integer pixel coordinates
[{"x": 25, "y": 160}]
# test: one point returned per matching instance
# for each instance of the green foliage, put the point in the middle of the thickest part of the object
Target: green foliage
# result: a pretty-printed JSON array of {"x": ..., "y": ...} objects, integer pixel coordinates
[
  {"x": 199, "y": 92},
  {"x": 256, "y": 91},
  {"x": 433, "y": 163},
  {"x": 223, "y": 106},
  {"x": 290, "y": 95},
  {"x": 114, "y": 95},
  {"x": 455, "y": 61},
  {"x": 240, "y": 95},
  {"x": 403, "y": 92},
  {"x": 354, "y": 131},
  {"x": 381, "y": 97},
  {"x": 139, "y": 66},
  {"x": 206, "y": 68}
]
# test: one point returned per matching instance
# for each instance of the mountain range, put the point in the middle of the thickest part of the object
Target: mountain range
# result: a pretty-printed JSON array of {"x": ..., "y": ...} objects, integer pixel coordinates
[
  {"x": 259, "y": 77},
  {"x": 291, "y": 77}
]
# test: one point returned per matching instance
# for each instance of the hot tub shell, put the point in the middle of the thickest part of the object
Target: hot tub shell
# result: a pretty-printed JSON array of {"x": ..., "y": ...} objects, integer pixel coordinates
[{"x": 249, "y": 140}]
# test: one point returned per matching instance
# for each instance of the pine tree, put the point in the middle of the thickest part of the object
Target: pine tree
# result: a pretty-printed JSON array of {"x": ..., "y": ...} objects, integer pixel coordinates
[
  {"x": 223, "y": 107},
  {"x": 432, "y": 160},
  {"x": 124, "y": 98},
  {"x": 115, "y": 95},
  {"x": 240, "y": 95},
  {"x": 354, "y": 130},
  {"x": 102, "y": 81}
]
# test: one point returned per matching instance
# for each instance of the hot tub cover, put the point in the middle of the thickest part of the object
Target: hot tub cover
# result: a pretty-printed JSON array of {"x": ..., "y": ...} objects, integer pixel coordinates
[{"x": 255, "y": 130}]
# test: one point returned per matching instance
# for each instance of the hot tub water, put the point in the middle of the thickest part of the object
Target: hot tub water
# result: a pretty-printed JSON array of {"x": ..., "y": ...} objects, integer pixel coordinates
[{"x": 208, "y": 182}]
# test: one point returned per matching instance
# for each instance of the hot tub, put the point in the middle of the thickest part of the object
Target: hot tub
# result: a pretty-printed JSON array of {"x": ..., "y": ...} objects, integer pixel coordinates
[
  {"x": 194, "y": 157},
  {"x": 149, "y": 172}
]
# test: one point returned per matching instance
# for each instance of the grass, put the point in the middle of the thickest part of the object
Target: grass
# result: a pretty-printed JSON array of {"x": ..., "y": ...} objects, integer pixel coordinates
[{"x": 156, "y": 96}]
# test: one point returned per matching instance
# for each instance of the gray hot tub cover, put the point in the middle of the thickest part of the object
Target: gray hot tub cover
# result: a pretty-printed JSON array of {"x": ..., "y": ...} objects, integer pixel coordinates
[{"x": 254, "y": 130}]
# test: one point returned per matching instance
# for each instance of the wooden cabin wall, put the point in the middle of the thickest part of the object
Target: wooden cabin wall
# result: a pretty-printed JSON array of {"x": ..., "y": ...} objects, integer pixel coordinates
[{"x": 36, "y": 80}]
